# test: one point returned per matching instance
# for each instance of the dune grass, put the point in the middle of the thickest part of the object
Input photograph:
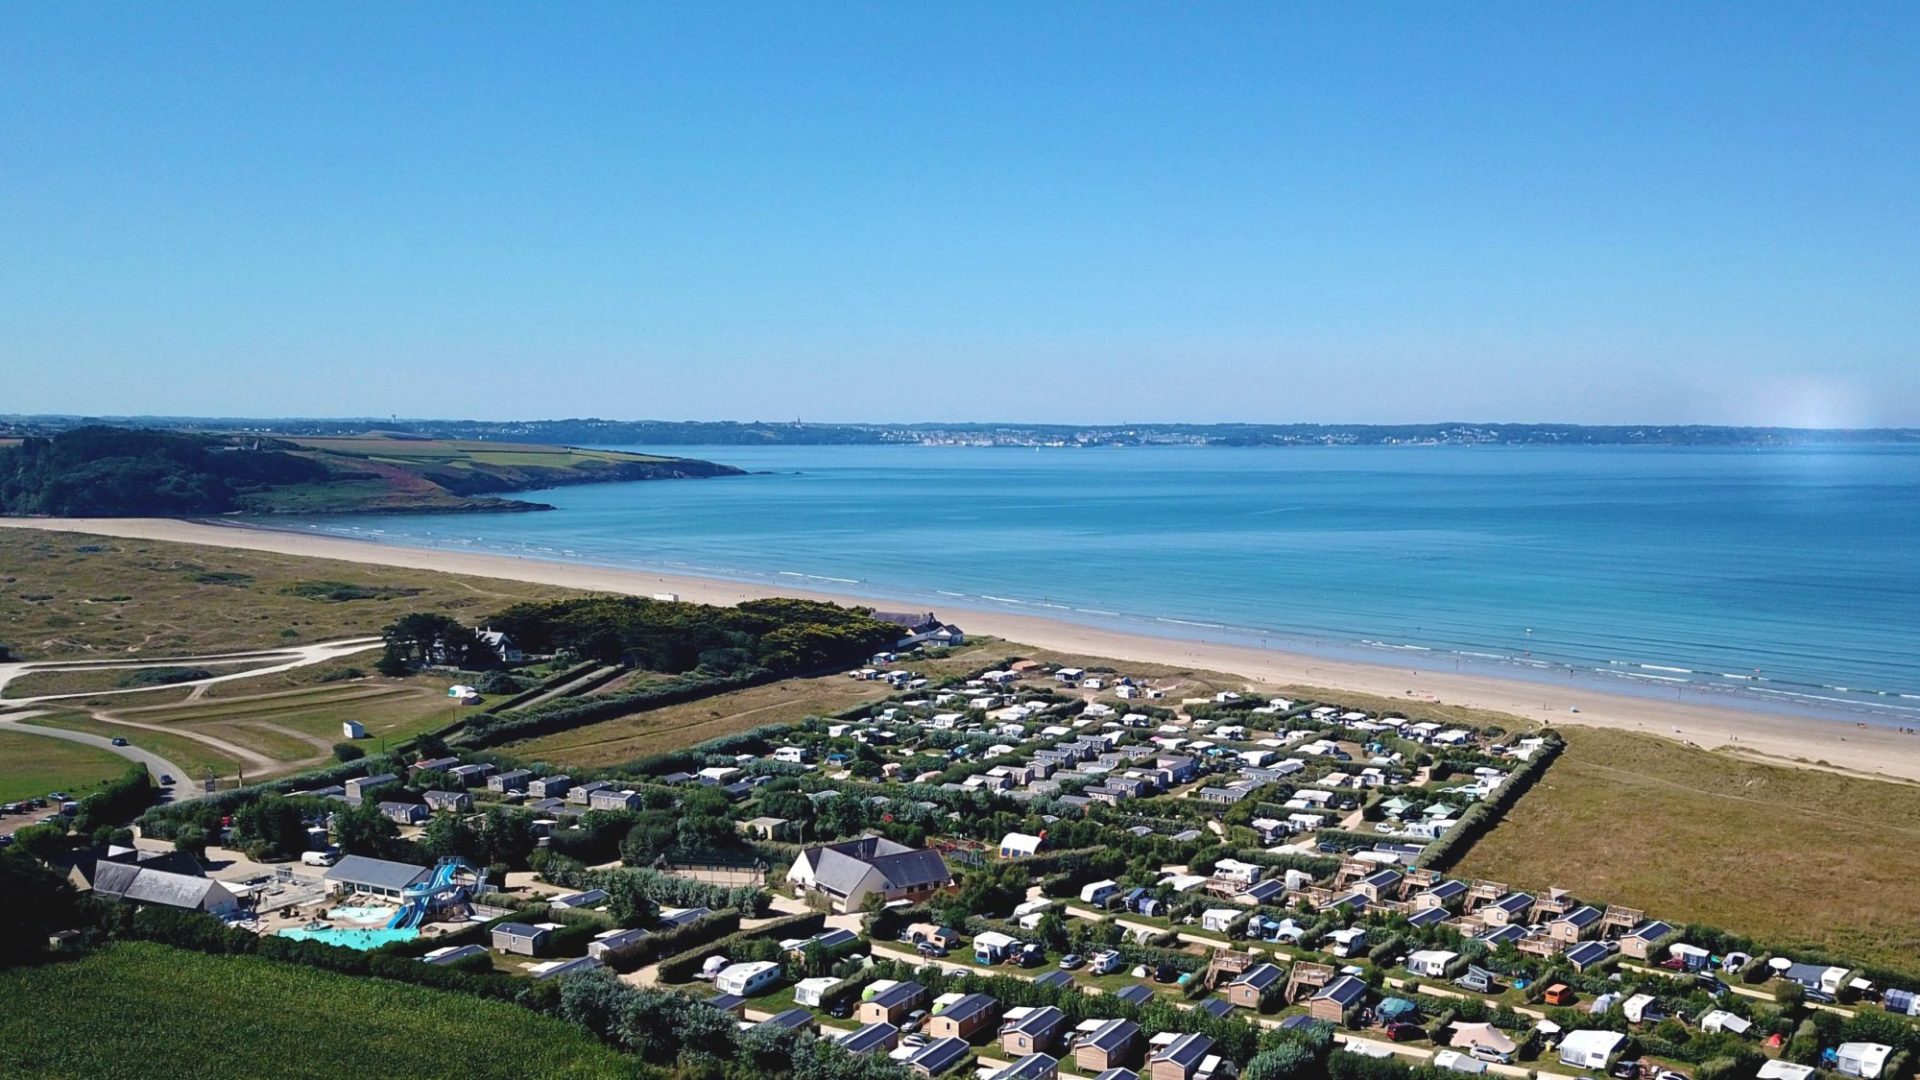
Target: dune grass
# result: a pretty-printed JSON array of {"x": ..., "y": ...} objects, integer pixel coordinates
[
  {"x": 73, "y": 595},
  {"x": 1787, "y": 855}
]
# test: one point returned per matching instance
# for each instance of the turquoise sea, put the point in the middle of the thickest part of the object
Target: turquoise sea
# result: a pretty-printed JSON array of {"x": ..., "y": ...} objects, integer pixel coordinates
[{"x": 1785, "y": 578}]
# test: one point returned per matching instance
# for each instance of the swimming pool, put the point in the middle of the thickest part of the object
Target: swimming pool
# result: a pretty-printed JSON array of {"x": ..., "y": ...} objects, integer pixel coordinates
[
  {"x": 362, "y": 939},
  {"x": 362, "y": 914}
]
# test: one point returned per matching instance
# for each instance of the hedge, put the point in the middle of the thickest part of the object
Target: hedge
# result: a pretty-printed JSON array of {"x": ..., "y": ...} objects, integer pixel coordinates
[
  {"x": 682, "y": 966},
  {"x": 1482, "y": 816},
  {"x": 566, "y": 714}
]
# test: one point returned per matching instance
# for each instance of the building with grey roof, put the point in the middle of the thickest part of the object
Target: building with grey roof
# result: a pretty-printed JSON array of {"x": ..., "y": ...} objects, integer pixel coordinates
[
  {"x": 375, "y": 877},
  {"x": 847, "y": 873},
  {"x": 137, "y": 884}
]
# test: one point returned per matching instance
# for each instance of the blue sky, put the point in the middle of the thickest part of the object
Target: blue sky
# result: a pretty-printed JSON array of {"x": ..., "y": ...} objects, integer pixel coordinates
[{"x": 1075, "y": 212}]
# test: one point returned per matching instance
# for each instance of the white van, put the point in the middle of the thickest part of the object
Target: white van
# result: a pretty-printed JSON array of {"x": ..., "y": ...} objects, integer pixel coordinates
[{"x": 318, "y": 858}]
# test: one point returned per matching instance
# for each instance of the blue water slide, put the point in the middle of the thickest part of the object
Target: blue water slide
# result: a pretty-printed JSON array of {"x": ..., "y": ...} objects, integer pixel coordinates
[{"x": 415, "y": 899}]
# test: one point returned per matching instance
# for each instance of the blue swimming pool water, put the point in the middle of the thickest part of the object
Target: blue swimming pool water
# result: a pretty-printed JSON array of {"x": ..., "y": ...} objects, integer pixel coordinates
[{"x": 363, "y": 940}]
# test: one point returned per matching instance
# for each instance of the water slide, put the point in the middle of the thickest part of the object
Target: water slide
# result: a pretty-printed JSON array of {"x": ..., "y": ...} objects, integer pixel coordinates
[{"x": 417, "y": 900}]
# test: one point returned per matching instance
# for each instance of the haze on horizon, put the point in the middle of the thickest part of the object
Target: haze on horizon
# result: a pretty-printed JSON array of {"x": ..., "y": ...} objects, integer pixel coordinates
[{"x": 1075, "y": 214}]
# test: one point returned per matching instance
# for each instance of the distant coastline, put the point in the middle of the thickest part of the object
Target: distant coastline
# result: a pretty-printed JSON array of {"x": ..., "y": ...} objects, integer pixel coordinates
[
  {"x": 1879, "y": 751},
  {"x": 588, "y": 432}
]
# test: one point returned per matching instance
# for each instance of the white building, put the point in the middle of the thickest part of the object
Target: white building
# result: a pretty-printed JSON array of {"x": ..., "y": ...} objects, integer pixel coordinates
[{"x": 747, "y": 979}]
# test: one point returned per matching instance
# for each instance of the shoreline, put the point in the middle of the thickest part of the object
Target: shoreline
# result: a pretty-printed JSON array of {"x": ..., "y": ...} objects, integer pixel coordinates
[{"x": 1775, "y": 738}]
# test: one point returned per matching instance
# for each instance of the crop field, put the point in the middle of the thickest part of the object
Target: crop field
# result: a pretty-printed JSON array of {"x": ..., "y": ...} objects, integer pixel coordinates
[
  {"x": 137, "y": 1010},
  {"x": 31, "y": 765},
  {"x": 788, "y": 701},
  {"x": 1788, "y": 856}
]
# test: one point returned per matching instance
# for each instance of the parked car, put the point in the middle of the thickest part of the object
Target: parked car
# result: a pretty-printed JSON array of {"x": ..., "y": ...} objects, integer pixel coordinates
[
  {"x": 913, "y": 1039},
  {"x": 166, "y": 780},
  {"x": 1475, "y": 982},
  {"x": 841, "y": 1009},
  {"x": 928, "y": 948},
  {"x": 1165, "y": 973},
  {"x": 1402, "y": 1032},
  {"x": 119, "y": 740},
  {"x": 1071, "y": 961},
  {"x": 915, "y": 1019},
  {"x": 1488, "y": 1053},
  {"x": 1669, "y": 1074},
  {"x": 1625, "y": 1070},
  {"x": 1820, "y": 996},
  {"x": 57, "y": 796},
  {"x": 1710, "y": 984}
]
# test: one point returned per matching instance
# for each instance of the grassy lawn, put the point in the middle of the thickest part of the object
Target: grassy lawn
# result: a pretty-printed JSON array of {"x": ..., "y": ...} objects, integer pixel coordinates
[
  {"x": 71, "y": 595},
  {"x": 32, "y": 765},
  {"x": 138, "y": 1010},
  {"x": 1789, "y": 856},
  {"x": 786, "y": 702},
  {"x": 388, "y": 708},
  {"x": 196, "y": 757}
]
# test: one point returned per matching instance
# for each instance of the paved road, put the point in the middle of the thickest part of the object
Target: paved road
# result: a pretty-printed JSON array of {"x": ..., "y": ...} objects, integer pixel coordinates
[{"x": 155, "y": 764}]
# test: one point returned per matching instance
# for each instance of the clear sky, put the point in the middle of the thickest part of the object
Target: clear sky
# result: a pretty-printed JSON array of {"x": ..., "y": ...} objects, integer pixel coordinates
[{"x": 914, "y": 211}]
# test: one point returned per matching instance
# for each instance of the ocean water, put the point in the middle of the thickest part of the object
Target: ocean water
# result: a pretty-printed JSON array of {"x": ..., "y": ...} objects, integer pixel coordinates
[{"x": 1785, "y": 578}]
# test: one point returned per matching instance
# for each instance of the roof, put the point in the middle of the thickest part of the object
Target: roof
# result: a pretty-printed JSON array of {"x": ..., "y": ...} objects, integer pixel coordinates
[
  {"x": 793, "y": 1018},
  {"x": 965, "y": 1006},
  {"x": 1651, "y": 930},
  {"x": 1581, "y": 916},
  {"x": 377, "y": 873},
  {"x": 939, "y": 1055},
  {"x": 1054, "y": 978},
  {"x": 841, "y": 867},
  {"x": 1346, "y": 990},
  {"x": 146, "y": 885},
  {"x": 1040, "y": 1021},
  {"x": 519, "y": 930},
  {"x": 1587, "y": 952},
  {"x": 1588, "y": 1043},
  {"x": 1031, "y": 1066},
  {"x": 899, "y": 993},
  {"x": 1118, "y": 1074},
  {"x": 1260, "y": 976},
  {"x": 1134, "y": 995},
  {"x": 1188, "y": 1049},
  {"x": 867, "y": 1038},
  {"x": 1112, "y": 1036},
  {"x": 1215, "y": 1007},
  {"x": 1428, "y": 916}
]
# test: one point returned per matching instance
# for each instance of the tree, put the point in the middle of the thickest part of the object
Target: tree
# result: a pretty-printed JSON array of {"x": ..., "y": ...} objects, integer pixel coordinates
[
  {"x": 191, "y": 839},
  {"x": 449, "y": 835},
  {"x": 346, "y": 751},
  {"x": 629, "y": 903},
  {"x": 271, "y": 827},
  {"x": 363, "y": 830},
  {"x": 34, "y": 901}
]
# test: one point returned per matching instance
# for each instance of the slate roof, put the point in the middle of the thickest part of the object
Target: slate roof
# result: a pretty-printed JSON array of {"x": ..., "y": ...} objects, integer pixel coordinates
[
  {"x": 1587, "y": 952},
  {"x": 1581, "y": 916},
  {"x": 145, "y": 885},
  {"x": 966, "y": 1007},
  {"x": 1134, "y": 995},
  {"x": 868, "y": 1038},
  {"x": 839, "y": 867},
  {"x": 1040, "y": 1022},
  {"x": 897, "y": 994},
  {"x": 377, "y": 873}
]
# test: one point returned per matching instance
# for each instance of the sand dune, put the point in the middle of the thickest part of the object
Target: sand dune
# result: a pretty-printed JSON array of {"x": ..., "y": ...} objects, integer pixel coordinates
[{"x": 1787, "y": 739}]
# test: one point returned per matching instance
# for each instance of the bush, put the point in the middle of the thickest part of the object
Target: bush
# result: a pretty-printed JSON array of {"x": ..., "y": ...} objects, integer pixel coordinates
[
  {"x": 682, "y": 966},
  {"x": 345, "y": 751}
]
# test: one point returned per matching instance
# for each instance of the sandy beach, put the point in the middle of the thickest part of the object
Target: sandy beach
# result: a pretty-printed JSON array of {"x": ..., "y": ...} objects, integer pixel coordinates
[{"x": 1837, "y": 745}]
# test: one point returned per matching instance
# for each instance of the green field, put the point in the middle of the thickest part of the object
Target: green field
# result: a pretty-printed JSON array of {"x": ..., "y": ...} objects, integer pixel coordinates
[
  {"x": 139, "y": 1010},
  {"x": 94, "y": 680},
  {"x": 1789, "y": 856},
  {"x": 32, "y": 765},
  {"x": 72, "y": 595},
  {"x": 196, "y": 757}
]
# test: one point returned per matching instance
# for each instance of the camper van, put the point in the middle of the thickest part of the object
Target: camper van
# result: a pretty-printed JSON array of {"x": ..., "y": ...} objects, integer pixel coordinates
[{"x": 318, "y": 858}]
